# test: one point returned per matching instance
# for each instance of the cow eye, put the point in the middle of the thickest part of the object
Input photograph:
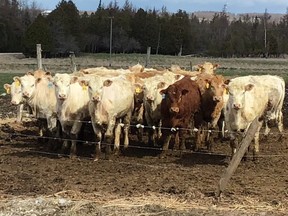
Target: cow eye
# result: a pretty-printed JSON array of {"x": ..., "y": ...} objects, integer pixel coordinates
[{"x": 32, "y": 85}]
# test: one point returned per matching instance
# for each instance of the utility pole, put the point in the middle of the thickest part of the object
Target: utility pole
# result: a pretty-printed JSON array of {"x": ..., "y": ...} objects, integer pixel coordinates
[
  {"x": 158, "y": 42},
  {"x": 265, "y": 33},
  {"x": 111, "y": 29}
]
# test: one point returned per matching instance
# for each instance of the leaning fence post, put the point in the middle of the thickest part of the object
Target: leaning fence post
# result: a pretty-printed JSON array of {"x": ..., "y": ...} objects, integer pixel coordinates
[
  {"x": 237, "y": 156},
  {"x": 39, "y": 56}
]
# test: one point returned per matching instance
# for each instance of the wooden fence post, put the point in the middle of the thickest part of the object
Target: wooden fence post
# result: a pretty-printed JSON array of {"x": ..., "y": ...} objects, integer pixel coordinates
[
  {"x": 236, "y": 159},
  {"x": 73, "y": 64},
  {"x": 39, "y": 56},
  {"x": 148, "y": 56}
]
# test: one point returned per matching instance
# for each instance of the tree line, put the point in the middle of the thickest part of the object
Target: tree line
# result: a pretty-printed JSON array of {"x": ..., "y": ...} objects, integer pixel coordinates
[{"x": 66, "y": 30}]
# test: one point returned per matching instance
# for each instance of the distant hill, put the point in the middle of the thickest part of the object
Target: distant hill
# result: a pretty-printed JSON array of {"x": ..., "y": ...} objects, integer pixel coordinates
[{"x": 208, "y": 15}]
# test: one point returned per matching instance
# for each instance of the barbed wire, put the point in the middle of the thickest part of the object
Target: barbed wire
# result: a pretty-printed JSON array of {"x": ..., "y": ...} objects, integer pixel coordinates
[
  {"x": 133, "y": 146},
  {"x": 174, "y": 129}
]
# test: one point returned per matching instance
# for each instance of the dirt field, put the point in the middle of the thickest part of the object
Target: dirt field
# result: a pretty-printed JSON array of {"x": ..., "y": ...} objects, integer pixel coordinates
[{"x": 36, "y": 181}]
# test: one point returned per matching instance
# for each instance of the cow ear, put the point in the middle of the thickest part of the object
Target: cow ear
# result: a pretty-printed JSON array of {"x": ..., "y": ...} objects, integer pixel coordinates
[
  {"x": 74, "y": 79},
  {"x": 30, "y": 73},
  {"x": 184, "y": 91},
  {"x": 7, "y": 87},
  {"x": 178, "y": 76},
  {"x": 48, "y": 73},
  {"x": 227, "y": 81},
  {"x": 215, "y": 66},
  {"x": 161, "y": 85},
  {"x": 138, "y": 88},
  {"x": 17, "y": 80},
  {"x": 107, "y": 83},
  {"x": 38, "y": 80},
  {"x": 249, "y": 87},
  {"x": 163, "y": 91}
]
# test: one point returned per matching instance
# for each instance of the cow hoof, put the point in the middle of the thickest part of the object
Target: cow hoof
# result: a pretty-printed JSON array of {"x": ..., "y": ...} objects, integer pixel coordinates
[
  {"x": 162, "y": 155},
  {"x": 73, "y": 157}
]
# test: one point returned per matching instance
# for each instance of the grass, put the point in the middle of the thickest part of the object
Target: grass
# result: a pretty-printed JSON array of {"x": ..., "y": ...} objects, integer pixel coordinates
[
  {"x": 7, "y": 78},
  {"x": 230, "y": 67}
]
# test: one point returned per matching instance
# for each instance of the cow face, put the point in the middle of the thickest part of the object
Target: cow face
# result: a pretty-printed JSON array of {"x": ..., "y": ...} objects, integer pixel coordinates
[
  {"x": 152, "y": 91},
  {"x": 237, "y": 95},
  {"x": 62, "y": 85},
  {"x": 216, "y": 88},
  {"x": 173, "y": 97},
  {"x": 28, "y": 85},
  {"x": 16, "y": 92},
  {"x": 95, "y": 86}
]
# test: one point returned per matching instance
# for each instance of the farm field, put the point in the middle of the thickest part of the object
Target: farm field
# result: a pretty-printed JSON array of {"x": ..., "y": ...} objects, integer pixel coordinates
[{"x": 37, "y": 181}]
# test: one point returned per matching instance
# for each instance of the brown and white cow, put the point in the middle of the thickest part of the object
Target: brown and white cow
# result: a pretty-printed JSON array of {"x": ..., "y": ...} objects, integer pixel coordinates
[{"x": 181, "y": 101}]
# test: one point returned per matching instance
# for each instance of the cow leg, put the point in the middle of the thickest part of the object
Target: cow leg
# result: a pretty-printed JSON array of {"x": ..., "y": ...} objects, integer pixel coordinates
[
  {"x": 166, "y": 138},
  {"x": 126, "y": 122},
  {"x": 109, "y": 136},
  {"x": 74, "y": 136},
  {"x": 117, "y": 138},
  {"x": 98, "y": 134},
  {"x": 177, "y": 141},
  {"x": 280, "y": 124},
  {"x": 256, "y": 143}
]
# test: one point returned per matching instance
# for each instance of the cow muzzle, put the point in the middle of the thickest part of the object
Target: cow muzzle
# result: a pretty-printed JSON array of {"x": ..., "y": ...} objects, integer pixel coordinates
[
  {"x": 150, "y": 98},
  {"x": 174, "y": 109},
  {"x": 236, "y": 106},
  {"x": 62, "y": 96},
  {"x": 217, "y": 98},
  {"x": 26, "y": 94}
]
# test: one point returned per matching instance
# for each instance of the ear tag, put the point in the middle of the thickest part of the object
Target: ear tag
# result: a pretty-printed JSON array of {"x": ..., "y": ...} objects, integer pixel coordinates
[
  {"x": 225, "y": 91},
  {"x": 163, "y": 96},
  {"x": 17, "y": 83},
  {"x": 207, "y": 85},
  {"x": 84, "y": 87},
  {"x": 138, "y": 90},
  {"x": 50, "y": 85},
  {"x": 8, "y": 90}
]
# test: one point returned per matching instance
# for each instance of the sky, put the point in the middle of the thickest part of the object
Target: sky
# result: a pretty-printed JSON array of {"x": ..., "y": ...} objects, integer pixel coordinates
[{"x": 233, "y": 6}]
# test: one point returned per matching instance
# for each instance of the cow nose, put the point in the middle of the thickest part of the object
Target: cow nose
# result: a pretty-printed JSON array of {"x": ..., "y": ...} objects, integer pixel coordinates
[
  {"x": 174, "y": 109},
  {"x": 236, "y": 106},
  {"x": 150, "y": 98},
  {"x": 217, "y": 98},
  {"x": 62, "y": 96},
  {"x": 13, "y": 102},
  {"x": 25, "y": 94},
  {"x": 96, "y": 98}
]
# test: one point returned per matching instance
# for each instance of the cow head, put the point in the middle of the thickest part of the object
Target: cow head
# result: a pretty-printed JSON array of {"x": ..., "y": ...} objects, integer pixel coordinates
[
  {"x": 62, "y": 84},
  {"x": 152, "y": 91},
  {"x": 28, "y": 85},
  {"x": 237, "y": 95},
  {"x": 208, "y": 67},
  {"x": 173, "y": 97},
  {"x": 95, "y": 85}
]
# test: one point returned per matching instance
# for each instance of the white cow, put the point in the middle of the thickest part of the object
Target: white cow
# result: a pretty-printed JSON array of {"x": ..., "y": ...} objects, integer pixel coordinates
[
  {"x": 110, "y": 103},
  {"x": 39, "y": 94},
  {"x": 72, "y": 107},
  {"x": 14, "y": 89},
  {"x": 253, "y": 97}
]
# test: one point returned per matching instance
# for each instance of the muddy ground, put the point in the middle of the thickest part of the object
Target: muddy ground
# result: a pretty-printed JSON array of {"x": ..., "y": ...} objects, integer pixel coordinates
[{"x": 37, "y": 181}]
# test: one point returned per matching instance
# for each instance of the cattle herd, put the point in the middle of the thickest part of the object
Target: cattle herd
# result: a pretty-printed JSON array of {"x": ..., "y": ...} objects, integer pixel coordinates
[{"x": 166, "y": 103}]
